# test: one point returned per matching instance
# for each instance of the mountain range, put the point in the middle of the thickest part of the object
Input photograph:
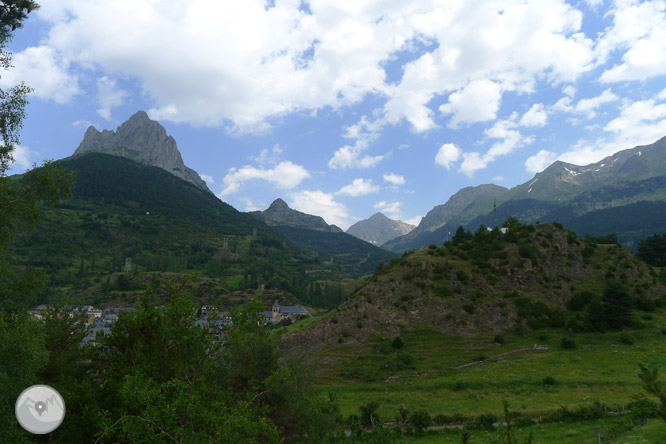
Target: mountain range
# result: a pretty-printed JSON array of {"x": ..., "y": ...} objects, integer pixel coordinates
[{"x": 595, "y": 199}]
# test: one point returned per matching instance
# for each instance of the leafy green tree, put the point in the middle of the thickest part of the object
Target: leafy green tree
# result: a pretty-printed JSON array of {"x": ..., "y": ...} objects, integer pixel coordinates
[
  {"x": 652, "y": 250},
  {"x": 22, "y": 343},
  {"x": 161, "y": 380},
  {"x": 651, "y": 383},
  {"x": 617, "y": 304},
  {"x": 506, "y": 431},
  {"x": 420, "y": 420},
  {"x": 369, "y": 417}
]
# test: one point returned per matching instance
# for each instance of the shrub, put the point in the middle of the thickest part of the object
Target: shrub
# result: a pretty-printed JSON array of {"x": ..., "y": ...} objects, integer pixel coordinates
[
  {"x": 499, "y": 339},
  {"x": 397, "y": 343},
  {"x": 568, "y": 344},
  {"x": 420, "y": 420},
  {"x": 484, "y": 422},
  {"x": 462, "y": 276},
  {"x": 626, "y": 339},
  {"x": 548, "y": 380},
  {"x": 469, "y": 308},
  {"x": 579, "y": 300}
]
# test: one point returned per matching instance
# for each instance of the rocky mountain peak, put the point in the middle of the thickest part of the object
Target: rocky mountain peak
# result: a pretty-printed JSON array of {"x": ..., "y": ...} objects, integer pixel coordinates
[
  {"x": 279, "y": 214},
  {"x": 143, "y": 140},
  {"x": 378, "y": 229}
]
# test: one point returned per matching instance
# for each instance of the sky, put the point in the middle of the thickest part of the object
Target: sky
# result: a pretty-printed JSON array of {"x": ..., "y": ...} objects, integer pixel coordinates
[{"x": 344, "y": 108}]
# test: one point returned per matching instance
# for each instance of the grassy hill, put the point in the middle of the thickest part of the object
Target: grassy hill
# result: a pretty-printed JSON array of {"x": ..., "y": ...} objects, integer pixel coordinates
[{"x": 482, "y": 297}]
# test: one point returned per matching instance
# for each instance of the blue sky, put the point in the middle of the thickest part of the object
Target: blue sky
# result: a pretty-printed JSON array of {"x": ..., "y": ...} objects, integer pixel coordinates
[{"x": 348, "y": 107}]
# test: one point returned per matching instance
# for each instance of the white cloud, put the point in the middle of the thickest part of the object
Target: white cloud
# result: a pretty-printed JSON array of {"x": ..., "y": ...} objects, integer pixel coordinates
[
  {"x": 83, "y": 123},
  {"x": 359, "y": 187},
  {"x": 23, "y": 159},
  {"x": 535, "y": 116},
  {"x": 639, "y": 123},
  {"x": 395, "y": 179},
  {"x": 589, "y": 106},
  {"x": 283, "y": 59},
  {"x": 640, "y": 29},
  {"x": 266, "y": 156},
  {"x": 540, "y": 161},
  {"x": 569, "y": 90},
  {"x": 109, "y": 96},
  {"x": 416, "y": 220},
  {"x": 208, "y": 179},
  {"x": 390, "y": 209},
  {"x": 249, "y": 204},
  {"x": 448, "y": 153},
  {"x": 499, "y": 178},
  {"x": 511, "y": 140},
  {"x": 285, "y": 175},
  {"x": 321, "y": 204},
  {"x": 45, "y": 70},
  {"x": 350, "y": 157},
  {"x": 476, "y": 102}
]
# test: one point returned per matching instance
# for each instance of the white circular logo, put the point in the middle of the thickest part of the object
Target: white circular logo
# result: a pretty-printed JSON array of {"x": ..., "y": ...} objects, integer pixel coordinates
[{"x": 40, "y": 409}]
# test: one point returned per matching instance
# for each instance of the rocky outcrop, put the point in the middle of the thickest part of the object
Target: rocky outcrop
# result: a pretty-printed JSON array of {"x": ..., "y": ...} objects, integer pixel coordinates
[
  {"x": 279, "y": 214},
  {"x": 144, "y": 141}
]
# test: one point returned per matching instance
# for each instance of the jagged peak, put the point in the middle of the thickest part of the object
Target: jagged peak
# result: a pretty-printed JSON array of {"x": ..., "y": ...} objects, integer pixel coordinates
[{"x": 278, "y": 203}]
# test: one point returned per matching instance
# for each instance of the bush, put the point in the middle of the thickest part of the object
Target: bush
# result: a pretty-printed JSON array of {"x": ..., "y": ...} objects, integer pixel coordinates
[
  {"x": 579, "y": 300},
  {"x": 548, "y": 380},
  {"x": 626, "y": 339},
  {"x": 568, "y": 344},
  {"x": 420, "y": 420},
  {"x": 499, "y": 339},
  {"x": 397, "y": 343},
  {"x": 484, "y": 422},
  {"x": 469, "y": 308}
]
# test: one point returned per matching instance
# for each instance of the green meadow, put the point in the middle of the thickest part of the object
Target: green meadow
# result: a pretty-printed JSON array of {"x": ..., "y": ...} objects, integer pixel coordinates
[{"x": 599, "y": 375}]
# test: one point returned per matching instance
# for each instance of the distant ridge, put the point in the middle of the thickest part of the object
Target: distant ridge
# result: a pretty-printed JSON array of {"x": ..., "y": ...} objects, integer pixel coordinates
[
  {"x": 570, "y": 194},
  {"x": 144, "y": 141},
  {"x": 378, "y": 229},
  {"x": 279, "y": 214}
]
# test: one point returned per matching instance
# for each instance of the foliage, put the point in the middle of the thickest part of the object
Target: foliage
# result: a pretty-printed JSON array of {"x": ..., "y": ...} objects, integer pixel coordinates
[
  {"x": 506, "y": 431},
  {"x": 652, "y": 385},
  {"x": 617, "y": 304},
  {"x": 568, "y": 344},
  {"x": 652, "y": 250},
  {"x": 420, "y": 421},
  {"x": 369, "y": 417}
]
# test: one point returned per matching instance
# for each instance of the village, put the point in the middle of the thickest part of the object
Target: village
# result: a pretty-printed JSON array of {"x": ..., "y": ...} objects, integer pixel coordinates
[{"x": 100, "y": 321}]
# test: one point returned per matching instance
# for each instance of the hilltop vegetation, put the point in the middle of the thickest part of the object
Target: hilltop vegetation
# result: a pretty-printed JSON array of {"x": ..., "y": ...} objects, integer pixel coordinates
[{"x": 532, "y": 276}]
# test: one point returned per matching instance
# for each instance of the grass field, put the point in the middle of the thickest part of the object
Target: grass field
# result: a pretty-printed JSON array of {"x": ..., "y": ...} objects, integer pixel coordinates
[{"x": 603, "y": 368}]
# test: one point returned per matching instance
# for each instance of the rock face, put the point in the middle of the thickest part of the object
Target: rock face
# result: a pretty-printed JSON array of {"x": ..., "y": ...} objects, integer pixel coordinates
[
  {"x": 279, "y": 214},
  {"x": 379, "y": 229},
  {"x": 144, "y": 141}
]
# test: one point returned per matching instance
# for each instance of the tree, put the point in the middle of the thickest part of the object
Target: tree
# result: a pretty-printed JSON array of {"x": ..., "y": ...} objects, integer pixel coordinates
[
  {"x": 617, "y": 304},
  {"x": 22, "y": 344},
  {"x": 652, "y": 250},
  {"x": 651, "y": 383}
]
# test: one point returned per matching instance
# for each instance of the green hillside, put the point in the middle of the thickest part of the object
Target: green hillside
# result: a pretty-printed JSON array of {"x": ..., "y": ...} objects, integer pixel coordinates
[
  {"x": 348, "y": 254},
  {"x": 581, "y": 316},
  {"x": 122, "y": 210}
]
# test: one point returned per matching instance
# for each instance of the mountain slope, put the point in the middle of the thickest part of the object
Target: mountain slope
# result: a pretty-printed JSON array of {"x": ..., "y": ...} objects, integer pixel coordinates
[
  {"x": 457, "y": 207},
  {"x": 378, "y": 229},
  {"x": 279, "y": 213},
  {"x": 143, "y": 140},
  {"x": 121, "y": 209},
  {"x": 563, "y": 192},
  {"x": 482, "y": 286},
  {"x": 341, "y": 251}
]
